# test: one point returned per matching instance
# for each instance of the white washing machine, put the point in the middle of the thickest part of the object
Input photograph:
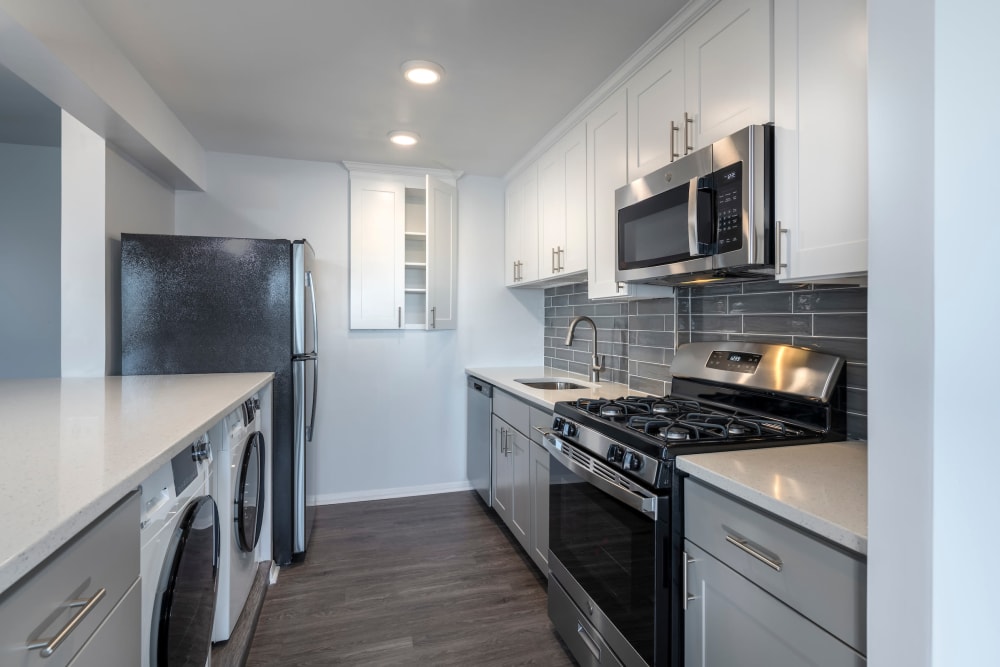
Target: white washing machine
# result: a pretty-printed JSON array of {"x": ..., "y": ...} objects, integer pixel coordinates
[
  {"x": 239, "y": 486},
  {"x": 179, "y": 556}
]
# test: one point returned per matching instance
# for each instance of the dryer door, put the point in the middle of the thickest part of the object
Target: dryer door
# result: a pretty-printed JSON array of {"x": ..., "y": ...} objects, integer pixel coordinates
[
  {"x": 184, "y": 608},
  {"x": 250, "y": 493}
]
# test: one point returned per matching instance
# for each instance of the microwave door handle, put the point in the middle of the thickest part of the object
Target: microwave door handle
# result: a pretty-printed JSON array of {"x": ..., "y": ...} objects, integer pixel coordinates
[{"x": 701, "y": 218}]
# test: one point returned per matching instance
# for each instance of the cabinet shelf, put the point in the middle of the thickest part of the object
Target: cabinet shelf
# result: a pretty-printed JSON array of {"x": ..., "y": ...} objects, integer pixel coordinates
[
  {"x": 416, "y": 265},
  {"x": 416, "y": 235},
  {"x": 415, "y": 290}
]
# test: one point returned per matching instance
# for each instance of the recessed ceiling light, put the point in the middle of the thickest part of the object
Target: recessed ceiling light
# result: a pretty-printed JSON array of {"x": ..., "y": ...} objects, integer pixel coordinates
[
  {"x": 404, "y": 138},
  {"x": 423, "y": 72}
]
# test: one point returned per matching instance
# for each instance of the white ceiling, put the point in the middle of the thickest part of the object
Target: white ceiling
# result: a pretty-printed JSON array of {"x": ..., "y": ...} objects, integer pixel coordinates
[{"x": 320, "y": 79}]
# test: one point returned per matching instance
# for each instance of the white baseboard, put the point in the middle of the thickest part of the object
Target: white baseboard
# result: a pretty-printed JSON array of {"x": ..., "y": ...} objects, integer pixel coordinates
[{"x": 384, "y": 494}]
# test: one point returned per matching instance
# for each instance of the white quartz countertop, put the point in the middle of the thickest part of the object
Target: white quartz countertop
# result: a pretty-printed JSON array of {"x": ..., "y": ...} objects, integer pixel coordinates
[
  {"x": 823, "y": 487},
  {"x": 73, "y": 447},
  {"x": 506, "y": 377}
]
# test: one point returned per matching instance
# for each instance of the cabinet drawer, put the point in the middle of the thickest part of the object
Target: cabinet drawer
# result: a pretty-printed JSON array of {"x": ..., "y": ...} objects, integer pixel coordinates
[
  {"x": 582, "y": 638},
  {"x": 820, "y": 581},
  {"x": 540, "y": 419},
  {"x": 117, "y": 642},
  {"x": 512, "y": 410},
  {"x": 104, "y": 556}
]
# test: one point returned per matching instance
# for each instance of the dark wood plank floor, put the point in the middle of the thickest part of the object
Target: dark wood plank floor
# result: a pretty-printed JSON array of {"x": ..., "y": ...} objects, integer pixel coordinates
[{"x": 432, "y": 580}]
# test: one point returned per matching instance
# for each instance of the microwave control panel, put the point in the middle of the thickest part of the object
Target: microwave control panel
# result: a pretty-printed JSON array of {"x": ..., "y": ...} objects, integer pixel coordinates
[{"x": 729, "y": 207}]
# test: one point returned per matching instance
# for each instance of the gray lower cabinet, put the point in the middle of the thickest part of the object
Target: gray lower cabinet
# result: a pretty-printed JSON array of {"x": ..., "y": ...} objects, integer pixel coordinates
[
  {"x": 539, "y": 538},
  {"x": 81, "y": 606},
  {"x": 762, "y": 592},
  {"x": 503, "y": 472},
  {"x": 521, "y": 474},
  {"x": 730, "y": 621}
]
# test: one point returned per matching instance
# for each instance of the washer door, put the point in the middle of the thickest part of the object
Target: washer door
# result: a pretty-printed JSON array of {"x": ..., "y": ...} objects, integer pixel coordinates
[
  {"x": 184, "y": 608},
  {"x": 249, "y": 508}
]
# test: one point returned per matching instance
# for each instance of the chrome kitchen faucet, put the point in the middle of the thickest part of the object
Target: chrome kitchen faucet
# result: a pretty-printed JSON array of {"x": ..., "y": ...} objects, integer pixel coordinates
[{"x": 596, "y": 363}]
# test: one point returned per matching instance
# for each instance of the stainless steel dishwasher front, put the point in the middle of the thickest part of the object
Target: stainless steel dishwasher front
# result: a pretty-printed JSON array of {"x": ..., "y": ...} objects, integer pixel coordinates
[{"x": 479, "y": 435}]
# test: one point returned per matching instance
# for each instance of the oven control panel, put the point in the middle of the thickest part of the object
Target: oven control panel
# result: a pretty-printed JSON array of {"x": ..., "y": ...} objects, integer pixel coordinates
[{"x": 737, "y": 362}]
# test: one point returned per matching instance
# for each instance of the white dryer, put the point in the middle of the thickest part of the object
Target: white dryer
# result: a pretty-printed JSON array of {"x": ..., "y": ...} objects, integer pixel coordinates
[
  {"x": 179, "y": 555},
  {"x": 239, "y": 488}
]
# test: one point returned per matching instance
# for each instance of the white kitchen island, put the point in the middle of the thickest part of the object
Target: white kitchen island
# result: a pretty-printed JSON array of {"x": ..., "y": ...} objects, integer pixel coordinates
[{"x": 73, "y": 447}]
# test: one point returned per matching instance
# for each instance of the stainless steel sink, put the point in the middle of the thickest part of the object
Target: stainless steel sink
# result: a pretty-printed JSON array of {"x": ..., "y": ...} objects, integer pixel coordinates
[{"x": 551, "y": 383}]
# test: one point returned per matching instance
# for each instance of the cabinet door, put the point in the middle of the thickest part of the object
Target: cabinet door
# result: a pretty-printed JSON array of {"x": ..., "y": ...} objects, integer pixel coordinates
[
  {"x": 522, "y": 242},
  {"x": 377, "y": 253},
  {"x": 512, "y": 232},
  {"x": 562, "y": 185},
  {"x": 574, "y": 248},
  {"x": 730, "y": 621},
  {"x": 520, "y": 451},
  {"x": 727, "y": 70},
  {"x": 655, "y": 99},
  {"x": 540, "y": 507},
  {"x": 442, "y": 254},
  {"x": 821, "y": 138},
  {"x": 503, "y": 471}
]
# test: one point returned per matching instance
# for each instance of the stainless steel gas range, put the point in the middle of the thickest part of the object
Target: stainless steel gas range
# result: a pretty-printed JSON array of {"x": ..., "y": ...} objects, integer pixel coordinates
[{"x": 615, "y": 506}]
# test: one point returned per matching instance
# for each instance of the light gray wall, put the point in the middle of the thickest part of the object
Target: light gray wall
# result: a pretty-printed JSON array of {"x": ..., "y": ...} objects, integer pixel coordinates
[
  {"x": 29, "y": 261},
  {"x": 933, "y": 460},
  {"x": 137, "y": 203},
  {"x": 391, "y": 416}
]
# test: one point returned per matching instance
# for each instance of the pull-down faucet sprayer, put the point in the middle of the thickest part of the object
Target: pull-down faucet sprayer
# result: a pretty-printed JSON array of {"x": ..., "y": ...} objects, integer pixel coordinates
[{"x": 596, "y": 363}]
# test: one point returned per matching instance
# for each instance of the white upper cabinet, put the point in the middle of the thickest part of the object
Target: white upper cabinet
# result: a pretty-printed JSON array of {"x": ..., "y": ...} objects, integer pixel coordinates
[
  {"x": 442, "y": 254},
  {"x": 562, "y": 210},
  {"x": 713, "y": 80},
  {"x": 656, "y": 112},
  {"x": 522, "y": 243},
  {"x": 727, "y": 64},
  {"x": 607, "y": 170},
  {"x": 821, "y": 137},
  {"x": 404, "y": 250},
  {"x": 378, "y": 215}
]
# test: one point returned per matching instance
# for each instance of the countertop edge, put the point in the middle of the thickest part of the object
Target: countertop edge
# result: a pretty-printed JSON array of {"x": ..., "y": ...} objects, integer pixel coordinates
[
  {"x": 812, "y": 522},
  {"x": 503, "y": 378},
  {"x": 21, "y": 564}
]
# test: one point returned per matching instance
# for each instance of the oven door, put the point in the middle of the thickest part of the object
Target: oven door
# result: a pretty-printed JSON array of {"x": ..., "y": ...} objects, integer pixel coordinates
[
  {"x": 607, "y": 548},
  {"x": 665, "y": 221}
]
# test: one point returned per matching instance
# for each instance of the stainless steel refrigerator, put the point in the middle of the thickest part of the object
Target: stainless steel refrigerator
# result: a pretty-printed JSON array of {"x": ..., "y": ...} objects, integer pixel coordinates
[{"x": 198, "y": 304}]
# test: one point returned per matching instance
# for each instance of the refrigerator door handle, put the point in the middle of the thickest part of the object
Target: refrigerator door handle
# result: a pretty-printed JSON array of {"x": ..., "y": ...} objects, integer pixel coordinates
[
  {"x": 312, "y": 297},
  {"x": 312, "y": 417}
]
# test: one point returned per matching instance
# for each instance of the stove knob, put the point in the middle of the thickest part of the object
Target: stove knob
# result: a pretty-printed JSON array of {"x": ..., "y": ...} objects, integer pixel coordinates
[
  {"x": 570, "y": 430},
  {"x": 632, "y": 461},
  {"x": 615, "y": 454},
  {"x": 557, "y": 423}
]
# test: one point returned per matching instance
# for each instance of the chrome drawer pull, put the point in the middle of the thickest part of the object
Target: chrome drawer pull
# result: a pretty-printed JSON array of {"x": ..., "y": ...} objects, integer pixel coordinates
[
  {"x": 588, "y": 640},
  {"x": 49, "y": 646},
  {"x": 744, "y": 546}
]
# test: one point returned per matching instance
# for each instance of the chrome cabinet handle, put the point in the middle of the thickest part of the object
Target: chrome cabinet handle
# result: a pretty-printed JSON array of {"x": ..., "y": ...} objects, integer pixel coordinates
[
  {"x": 777, "y": 250},
  {"x": 685, "y": 595},
  {"x": 619, "y": 287},
  {"x": 49, "y": 645},
  {"x": 555, "y": 266},
  {"x": 673, "y": 141},
  {"x": 688, "y": 122},
  {"x": 588, "y": 640},
  {"x": 562, "y": 258},
  {"x": 513, "y": 274},
  {"x": 744, "y": 546},
  {"x": 399, "y": 318},
  {"x": 434, "y": 319}
]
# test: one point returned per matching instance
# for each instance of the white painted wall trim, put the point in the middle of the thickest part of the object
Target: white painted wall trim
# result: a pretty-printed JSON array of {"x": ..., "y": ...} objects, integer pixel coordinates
[
  {"x": 82, "y": 251},
  {"x": 385, "y": 494},
  {"x": 399, "y": 170},
  {"x": 65, "y": 55},
  {"x": 670, "y": 31}
]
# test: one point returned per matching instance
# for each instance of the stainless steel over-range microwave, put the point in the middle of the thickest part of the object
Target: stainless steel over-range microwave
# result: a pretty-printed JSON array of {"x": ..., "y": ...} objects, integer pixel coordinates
[{"x": 705, "y": 217}]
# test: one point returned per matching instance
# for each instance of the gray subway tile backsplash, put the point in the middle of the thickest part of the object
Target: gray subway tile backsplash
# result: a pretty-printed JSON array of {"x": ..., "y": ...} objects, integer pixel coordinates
[{"x": 638, "y": 338}]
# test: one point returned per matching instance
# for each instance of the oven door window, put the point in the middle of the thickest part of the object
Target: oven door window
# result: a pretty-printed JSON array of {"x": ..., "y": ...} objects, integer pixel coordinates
[
  {"x": 610, "y": 550},
  {"x": 654, "y": 231}
]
